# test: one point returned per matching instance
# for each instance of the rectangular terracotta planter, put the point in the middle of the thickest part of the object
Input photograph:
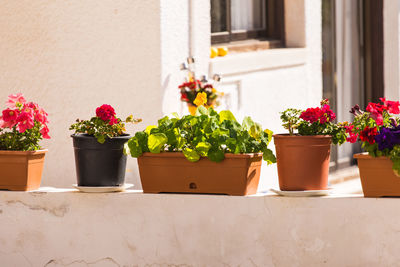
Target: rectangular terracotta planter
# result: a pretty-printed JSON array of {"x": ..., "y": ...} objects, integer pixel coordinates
[
  {"x": 237, "y": 174},
  {"x": 377, "y": 176},
  {"x": 21, "y": 170}
]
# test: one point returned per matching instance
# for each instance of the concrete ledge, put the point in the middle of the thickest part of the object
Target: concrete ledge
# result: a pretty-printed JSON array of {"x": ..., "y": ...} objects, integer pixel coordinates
[
  {"x": 64, "y": 227},
  {"x": 242, "y": 63}
]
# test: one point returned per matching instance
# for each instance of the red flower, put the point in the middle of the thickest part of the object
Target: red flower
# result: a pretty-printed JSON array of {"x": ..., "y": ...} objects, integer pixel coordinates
[
  {"x": 184, "y": 97},
  {"x": 45, "y": 132},
  {"x": 311, "y": 114},
  {"x": 10, "y": 115},
  {"x": 105, "y": 112},
  {"x": 376, "y": 111},
  {"x": 368, "y": 135},
  {"x": 25, "y": 122},
  {"x": 328, "y": 114},
  {"x": 391, "y": 106},
  {"x": 113, "y": 121}
]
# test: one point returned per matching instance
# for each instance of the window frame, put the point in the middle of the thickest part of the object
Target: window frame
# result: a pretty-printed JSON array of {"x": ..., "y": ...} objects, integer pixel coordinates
[{"x": 274, "y": 26}]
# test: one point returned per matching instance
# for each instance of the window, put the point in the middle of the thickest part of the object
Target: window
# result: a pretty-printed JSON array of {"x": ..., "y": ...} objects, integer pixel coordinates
[{"x": 237, "y": 20}]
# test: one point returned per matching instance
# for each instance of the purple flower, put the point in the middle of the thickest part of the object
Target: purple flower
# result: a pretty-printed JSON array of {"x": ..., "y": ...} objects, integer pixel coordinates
[{"x": 388, "y": 137}]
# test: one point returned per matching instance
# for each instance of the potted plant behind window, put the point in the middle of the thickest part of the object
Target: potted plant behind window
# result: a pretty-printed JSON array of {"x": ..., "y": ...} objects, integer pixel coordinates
[
  {"x": 207, "y": 153},
  {"x": 378, "y": 131},
  {"x": 303, "y": 157},
  {"x": 98, "y": 147},
  {"x": 22, "y": 125}
]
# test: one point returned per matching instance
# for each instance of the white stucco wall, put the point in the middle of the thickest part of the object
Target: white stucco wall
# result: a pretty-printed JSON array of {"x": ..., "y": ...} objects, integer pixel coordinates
[
  {"x": 134, "y": 229},
  {"x": 72, "y": 56}
]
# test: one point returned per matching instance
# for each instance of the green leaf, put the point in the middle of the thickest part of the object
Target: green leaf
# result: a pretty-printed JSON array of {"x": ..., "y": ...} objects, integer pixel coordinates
[
  {"x": 191, "y": 155},
  {"x": 100, "y": 138},
  {"x": 201, "y": 110},
  {"x": 269, "y": 156},
  {"x": 156, "y": 142},
  {"x": 247, "y": 123},
  {"x": 149, "y": 128},
  {"x": 226, "y": 115},
  {"x": 176, "y": 115},
  {"x": 203, "y": 148},
  {"x": 133, "y": 148},
  {"x": 255, "y": 131},
  {"x": 216, "y": 154},
  {"x": 269, "y": 135}
]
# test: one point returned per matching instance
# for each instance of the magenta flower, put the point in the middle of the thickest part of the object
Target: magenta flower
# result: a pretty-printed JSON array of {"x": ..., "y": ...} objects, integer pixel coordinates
[
  {"x": 25, "y": 121},
  {"x": 45, "y": 132},
  {"x": 10, "y": 115},
  {"x": 14, "y": 99}
]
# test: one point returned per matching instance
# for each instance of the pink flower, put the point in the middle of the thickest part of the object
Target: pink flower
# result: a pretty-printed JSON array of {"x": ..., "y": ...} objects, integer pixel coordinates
[
  {"x": 376, "y": 111},
  {"x": 105, "y": 112},
  {"x": 10, "y": 115},
  {"x": 391, "y": 106},
  {"x": 25, "y": 121},
  {"x": 14, "y": 99},
  {"x": 41, "y": 116},
  {"x": 45, "y": 132}
]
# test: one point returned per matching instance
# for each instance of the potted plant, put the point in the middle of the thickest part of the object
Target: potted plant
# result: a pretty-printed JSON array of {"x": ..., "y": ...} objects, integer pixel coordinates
[
  {"x": 303, "y": 157},
  {"x": 378, "y": 131},
  {"x": 98, "y": 146},
  {"x": 207, "y": 153},
  {"x": 195, "y": 90},
  {"x": 22, "y": 125}
]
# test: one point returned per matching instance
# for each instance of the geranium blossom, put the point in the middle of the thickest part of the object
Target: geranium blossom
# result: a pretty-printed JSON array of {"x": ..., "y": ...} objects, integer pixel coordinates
[{"x": 105, "y": 112}]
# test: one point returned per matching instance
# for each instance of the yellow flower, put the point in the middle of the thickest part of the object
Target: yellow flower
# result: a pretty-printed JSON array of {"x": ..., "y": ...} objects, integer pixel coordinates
[
  {"x": 201, "y": 99},
  {"x": 213, "y": 90}
]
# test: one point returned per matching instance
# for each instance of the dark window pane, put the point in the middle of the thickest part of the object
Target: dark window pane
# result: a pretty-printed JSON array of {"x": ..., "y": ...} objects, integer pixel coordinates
[
  {"x": 248, "y": 15},
  {"x": 218, "y": 16}
]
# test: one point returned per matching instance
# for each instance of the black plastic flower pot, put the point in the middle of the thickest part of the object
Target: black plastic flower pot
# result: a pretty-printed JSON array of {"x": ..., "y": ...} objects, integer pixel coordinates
[{"x": 99, "y": 164}]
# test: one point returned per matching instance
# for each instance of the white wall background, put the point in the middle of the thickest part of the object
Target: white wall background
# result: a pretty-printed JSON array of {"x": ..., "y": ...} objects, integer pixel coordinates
[{"x": 72, "y": 56}]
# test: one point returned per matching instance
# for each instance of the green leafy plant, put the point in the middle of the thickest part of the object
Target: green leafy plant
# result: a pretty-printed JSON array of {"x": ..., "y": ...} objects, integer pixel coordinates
[
  {"x": 207, "y": 134},
  {"x": 104, "y": 125},
  {"x": 314, "y": 121}
]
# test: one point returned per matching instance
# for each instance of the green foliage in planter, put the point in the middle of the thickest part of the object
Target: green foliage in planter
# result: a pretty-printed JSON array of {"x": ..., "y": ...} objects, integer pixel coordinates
[{"x": 208, "y": 134}]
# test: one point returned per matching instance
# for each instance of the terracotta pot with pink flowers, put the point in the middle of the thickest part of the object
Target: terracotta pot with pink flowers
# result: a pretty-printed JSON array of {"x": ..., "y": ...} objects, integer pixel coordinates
[{"x": 22, "y": 125}]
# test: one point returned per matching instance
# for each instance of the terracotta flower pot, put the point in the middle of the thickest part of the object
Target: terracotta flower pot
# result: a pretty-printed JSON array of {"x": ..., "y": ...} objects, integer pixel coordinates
[
  {"x": 21, "y": 170},
  {"x": 237, "y": 174},
  {"x": 377, "y": 176},
  {"x": 302, "y": 161}
]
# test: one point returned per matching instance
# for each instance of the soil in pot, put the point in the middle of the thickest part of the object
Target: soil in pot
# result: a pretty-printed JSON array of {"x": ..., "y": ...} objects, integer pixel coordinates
[
  {"x": 377, "y": 176},
  {"x": 99, "y": 164},
  {"x": 237, "y": 174},
  {"x": 302, "y": 161},
  {"x": 21, "y": 170}
]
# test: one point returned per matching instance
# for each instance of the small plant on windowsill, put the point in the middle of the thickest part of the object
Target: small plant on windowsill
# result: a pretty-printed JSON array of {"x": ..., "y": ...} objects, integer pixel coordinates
[
  {"x": 303, "y": 157},
  {"x": 378, "y": 130},
  {"x": 196, "y": 92},
  {"x": 98, "y": 146},
  {"x": 23, "y": 125}
]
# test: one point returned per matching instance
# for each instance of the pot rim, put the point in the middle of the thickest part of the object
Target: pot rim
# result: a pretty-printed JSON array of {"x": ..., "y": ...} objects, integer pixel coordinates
[
  {"x": 366, "y": 155},
  {"x": 287, "y": 136},
  {"x": 180, "y": 155},
  {"x": 86, "y": 136},
  {"x": 20, "y": 152}
]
